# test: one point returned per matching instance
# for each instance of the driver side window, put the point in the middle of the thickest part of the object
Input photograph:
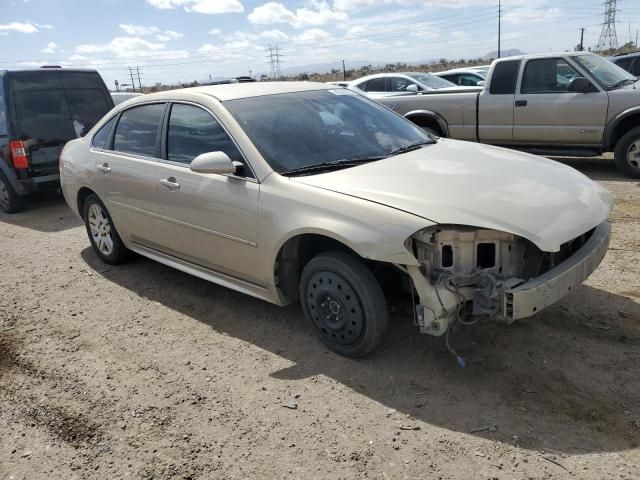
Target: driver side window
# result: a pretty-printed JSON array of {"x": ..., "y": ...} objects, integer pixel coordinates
[
  {"x": 192, "y": 131},
  {"x": 547, "y": 75}
]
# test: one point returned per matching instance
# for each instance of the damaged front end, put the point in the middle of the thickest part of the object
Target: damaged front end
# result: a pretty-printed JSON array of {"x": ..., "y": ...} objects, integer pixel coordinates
[{"x": 471, "y": 272}]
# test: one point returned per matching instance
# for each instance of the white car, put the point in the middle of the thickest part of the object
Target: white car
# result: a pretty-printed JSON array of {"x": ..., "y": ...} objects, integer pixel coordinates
[
  {"x": 391, "y": 84},
  {"x": 304, "y": 192},
  {"x": 466, "y": 77}
]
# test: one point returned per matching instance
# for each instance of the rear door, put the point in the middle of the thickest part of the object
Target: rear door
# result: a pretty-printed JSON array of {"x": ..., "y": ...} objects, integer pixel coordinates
[
  {"x": 51, "y": 108},
  {"x": 125, "y": 158},
  {"x": 546, "y": 112}
]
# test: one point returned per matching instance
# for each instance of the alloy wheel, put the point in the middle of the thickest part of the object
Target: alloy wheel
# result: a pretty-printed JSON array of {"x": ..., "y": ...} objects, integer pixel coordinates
[
  {"x": 100, "y": 229},
  {"x": 633, "y": 154}
]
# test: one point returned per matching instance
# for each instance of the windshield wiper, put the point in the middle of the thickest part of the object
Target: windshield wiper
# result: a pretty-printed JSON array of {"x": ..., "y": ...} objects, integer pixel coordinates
[
  {"x": 409, "y": 148},
  {"x": 344, "y": 163},
  {"x": 620, "y": 84}
]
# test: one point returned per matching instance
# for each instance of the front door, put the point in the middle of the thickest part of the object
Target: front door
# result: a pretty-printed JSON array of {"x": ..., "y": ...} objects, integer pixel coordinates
[
  {"x": 546, "y": 112},
  {"x": 210, "y": 220}
]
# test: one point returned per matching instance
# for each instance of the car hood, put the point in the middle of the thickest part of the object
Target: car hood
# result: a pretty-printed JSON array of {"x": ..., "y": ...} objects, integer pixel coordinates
[{"x": 455, "y": 182}]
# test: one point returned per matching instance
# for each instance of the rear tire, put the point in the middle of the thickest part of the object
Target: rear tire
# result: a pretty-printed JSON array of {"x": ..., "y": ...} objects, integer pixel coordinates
[
  {"x": 102, "y": 232},
  {"x": 344, "y": 303},
  {"x": 627, "y": 153},
  {"x": 10, "y": 201}
]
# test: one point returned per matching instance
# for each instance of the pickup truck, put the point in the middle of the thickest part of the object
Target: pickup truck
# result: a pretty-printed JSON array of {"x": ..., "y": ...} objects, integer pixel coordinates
[{"x": 565, "y": 104}]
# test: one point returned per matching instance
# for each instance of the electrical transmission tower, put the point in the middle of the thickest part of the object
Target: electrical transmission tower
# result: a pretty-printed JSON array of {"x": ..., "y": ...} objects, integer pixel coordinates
[
  {"x": 608, "y": 37},
  {"x": 275, "y": 61}
]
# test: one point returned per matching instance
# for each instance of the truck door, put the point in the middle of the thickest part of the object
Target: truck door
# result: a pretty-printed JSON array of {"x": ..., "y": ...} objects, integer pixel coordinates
[
  {"x": 495, "y": 105},
  {"x": 546, "y": 112}
]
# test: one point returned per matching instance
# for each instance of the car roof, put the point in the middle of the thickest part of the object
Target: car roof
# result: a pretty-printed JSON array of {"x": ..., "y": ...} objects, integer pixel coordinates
[
  {"x": 387, "y": 74},
  {"x": 233, "y": 91},
  {"x": 545, "y": 55},
  {"x": 458, "y": 70}
]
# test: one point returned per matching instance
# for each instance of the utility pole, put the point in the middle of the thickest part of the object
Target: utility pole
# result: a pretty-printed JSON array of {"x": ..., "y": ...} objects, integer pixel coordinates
[
  {"x": 608, "y": 36},
  {"x": 499, "y": 24},
  {"x": 581, "y": 40},
  {"x": 139, "y": 82},
  {"x": 133, "y": 84}
]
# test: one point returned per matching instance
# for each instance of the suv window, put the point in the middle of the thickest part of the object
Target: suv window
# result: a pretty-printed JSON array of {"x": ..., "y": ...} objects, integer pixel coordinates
[
  {"x": 503, "y": 81},
  {"x": 102, "y": 135},
  {"x": 635, "y": 70},
  {"x": 193, "y": 131},
  {"x": 87, "y": 106},
  {"x": 3, "y": 116},
  {"x": 547, "y": 75},
  {"x": 137, "y": 130},
  {"x": 376, "y": 85},
  {"x": 44, "y": 115},
  {"x": 624, "y": 63}
]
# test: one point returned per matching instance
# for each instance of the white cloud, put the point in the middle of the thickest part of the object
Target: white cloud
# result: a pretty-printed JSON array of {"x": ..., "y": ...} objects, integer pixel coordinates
[
  {"x": 529, "y": 15},
  {"x": 313, "y": 34},
  {"x": 215, "y": 31},
  {"x": 52, "y": 47},
  {"x": 273, "y": 35},
  {"x": 131, "y": 29},
  {"x": 320, "y": 14},
  {"x": 127, "y": 47},
  {"x": 169, "y": 35},
  {"x": 210, "y": 7},
  {"x": 19, "y": 27}
]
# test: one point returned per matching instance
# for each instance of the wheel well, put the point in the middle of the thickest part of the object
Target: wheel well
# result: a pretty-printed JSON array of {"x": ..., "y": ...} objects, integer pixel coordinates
[
  {"x": 83, "y": 193},
  {"x": 297, "y": 251},
  {"x": 623, "y": 127},
  {"x": 427, "y": 121}
]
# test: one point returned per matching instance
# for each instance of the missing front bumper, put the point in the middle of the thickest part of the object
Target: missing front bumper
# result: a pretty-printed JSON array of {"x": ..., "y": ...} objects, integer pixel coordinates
[{"x": 535, "y": 295}]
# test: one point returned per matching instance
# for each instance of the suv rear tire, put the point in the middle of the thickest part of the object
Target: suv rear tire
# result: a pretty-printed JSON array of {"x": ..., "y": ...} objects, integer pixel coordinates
[
  {"x": 102, "y": 232},
  {"x": 627, "y": 153},
  {"x": 345, "y": 304},
  {"x": 10, "y": 201}
]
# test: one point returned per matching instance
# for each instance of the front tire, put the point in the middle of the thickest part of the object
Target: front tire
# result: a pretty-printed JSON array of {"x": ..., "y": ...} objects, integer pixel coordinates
[
  {"x": 344, "y": 303},
  {"x": 627, "y": 153},
  {"x": 10, "y": 201},
  {"x": 102, "y": 232}
]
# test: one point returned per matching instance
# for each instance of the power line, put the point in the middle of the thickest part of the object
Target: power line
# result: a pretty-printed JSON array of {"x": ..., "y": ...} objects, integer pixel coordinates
[{"x": 608, "y": 37}]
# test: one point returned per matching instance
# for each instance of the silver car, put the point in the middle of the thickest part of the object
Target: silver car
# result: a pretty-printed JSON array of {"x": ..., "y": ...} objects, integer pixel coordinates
[
  {"x": 392, "y": 84},
  {"x": 300, "y": 191}
]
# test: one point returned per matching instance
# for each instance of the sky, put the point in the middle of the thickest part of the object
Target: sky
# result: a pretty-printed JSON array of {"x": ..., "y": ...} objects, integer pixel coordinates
[{"x": 175, "y": 41}]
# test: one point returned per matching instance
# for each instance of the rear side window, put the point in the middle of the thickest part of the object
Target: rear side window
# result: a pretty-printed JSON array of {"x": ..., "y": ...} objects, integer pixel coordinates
[
  {"x": 100, "y": 138},
  {"x": 193, "y": 131},
  {"x": 504, "y": 78},
  {"x": 636, "y": 67},
  {"x": 376, "y": 85},
  {"x": 137, "y": 130}
]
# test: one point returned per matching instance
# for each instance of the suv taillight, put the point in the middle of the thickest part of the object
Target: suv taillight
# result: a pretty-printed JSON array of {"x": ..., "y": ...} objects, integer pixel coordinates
[{"x": 18, "y": 154}]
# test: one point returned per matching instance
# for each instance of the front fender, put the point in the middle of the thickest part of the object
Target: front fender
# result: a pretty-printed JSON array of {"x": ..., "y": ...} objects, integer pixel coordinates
[{"x": 612, "y": 125}]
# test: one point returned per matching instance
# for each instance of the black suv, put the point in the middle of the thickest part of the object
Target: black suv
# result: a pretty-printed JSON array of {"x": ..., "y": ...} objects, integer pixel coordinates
[
  {"x": 629, "y": 61},
  {"x": 40, "y": 111}
]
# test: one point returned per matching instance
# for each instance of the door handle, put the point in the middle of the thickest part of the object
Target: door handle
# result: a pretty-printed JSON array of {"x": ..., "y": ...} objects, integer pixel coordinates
[
  {"x": 521, "y": 103},
  {"x": 104, "y": 168},
  {"x": 170, "y": 183}
]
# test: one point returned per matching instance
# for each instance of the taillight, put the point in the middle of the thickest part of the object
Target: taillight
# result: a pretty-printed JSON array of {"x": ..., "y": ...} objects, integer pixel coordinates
[{"x": 18, "y": 154}]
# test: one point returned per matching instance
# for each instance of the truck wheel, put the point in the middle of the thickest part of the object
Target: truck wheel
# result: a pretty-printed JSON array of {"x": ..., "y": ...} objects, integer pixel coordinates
[
  {"x": 10, "y": 201},
  {"x": 102, "y": 233},
  {"x": 344, "y": 303},
  {"x": 627, "y": 154}
]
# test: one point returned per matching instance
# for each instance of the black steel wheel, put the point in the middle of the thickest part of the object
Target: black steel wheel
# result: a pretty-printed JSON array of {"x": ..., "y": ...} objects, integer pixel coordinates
[{"x": 344, "y": 303}]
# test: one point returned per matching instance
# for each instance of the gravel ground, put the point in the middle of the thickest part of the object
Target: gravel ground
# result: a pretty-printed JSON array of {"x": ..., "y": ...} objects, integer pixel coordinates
[{"x": 140, "y": 371}]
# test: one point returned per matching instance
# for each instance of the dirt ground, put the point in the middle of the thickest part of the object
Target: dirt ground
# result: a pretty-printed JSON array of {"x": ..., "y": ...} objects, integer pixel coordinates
[{"x": 140, "y": 371}]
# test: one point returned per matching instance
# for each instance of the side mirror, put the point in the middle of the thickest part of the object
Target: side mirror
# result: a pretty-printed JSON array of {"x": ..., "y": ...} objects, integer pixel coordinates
[
  {"x": 480, "y": 83},
  {"x": 412, "y": 88},
  {"x": 579, "y": 85},
  {"x": 212, "y": 162}
]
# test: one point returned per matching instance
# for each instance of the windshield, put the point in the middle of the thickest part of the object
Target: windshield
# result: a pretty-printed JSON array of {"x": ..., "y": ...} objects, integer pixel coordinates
[
  {"x": 299, "y": 130},
  {"x": 431, "y": 81},
  {"x": 608, "y": 74}
]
